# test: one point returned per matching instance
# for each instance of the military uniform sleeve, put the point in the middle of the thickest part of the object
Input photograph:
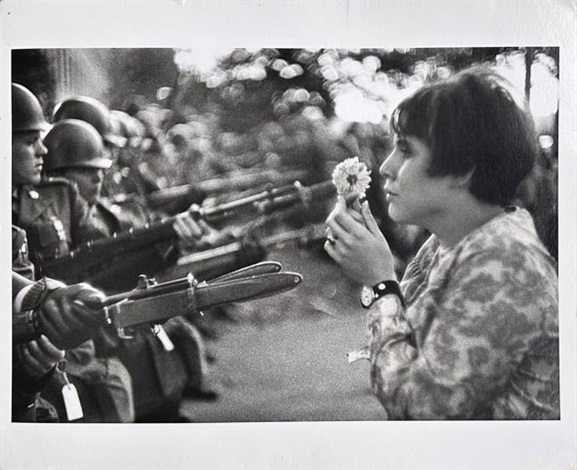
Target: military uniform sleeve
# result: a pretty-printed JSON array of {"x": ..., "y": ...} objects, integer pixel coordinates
[
  {"x": 20, "y": 260},
  {"x": 472, "y": 333}
]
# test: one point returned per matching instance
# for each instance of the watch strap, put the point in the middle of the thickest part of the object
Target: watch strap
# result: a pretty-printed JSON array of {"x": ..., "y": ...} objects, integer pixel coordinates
[{"x": 388, "y": 287}]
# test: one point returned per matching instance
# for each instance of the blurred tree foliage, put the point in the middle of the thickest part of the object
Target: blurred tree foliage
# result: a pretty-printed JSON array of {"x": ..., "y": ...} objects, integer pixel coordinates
[{"x": 252, "y": 87}]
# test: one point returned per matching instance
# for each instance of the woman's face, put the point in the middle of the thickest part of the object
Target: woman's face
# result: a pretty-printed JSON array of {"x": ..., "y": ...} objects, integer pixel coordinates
[
  {"x": 414, "y": 197},
  {"x": 27, "y": 157},
  {"x": 89, "y": 181}
]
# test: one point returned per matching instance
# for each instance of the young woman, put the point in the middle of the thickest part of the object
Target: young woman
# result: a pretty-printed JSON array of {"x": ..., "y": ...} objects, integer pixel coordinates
[{"x": 471, "y": 332}]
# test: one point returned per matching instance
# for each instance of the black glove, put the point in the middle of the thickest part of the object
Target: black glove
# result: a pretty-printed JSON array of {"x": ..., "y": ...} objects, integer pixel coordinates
[{"x": 70, "y": 315}]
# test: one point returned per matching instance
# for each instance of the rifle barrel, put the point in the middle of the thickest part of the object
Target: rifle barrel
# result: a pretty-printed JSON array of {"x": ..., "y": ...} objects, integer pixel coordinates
[
  {"x": 304, "y": 194},
  {"x": 190, "y": 193},
  {"x": 268, "y": 194},
  {"x": 303, "y": 235}
]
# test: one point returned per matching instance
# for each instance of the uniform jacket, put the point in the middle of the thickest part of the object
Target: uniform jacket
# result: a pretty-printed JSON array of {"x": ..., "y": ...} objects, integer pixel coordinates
[
  {"x": 54, "y": 216},
  {"x": 120, "y": 274}
]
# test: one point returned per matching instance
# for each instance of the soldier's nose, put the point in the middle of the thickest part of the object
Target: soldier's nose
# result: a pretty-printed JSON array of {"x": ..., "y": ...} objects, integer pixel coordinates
[{"x": 41, "y": 149}]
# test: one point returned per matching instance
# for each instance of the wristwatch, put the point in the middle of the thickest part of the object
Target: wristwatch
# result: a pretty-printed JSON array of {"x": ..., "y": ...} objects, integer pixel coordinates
[{"x": 370, "y": 294}]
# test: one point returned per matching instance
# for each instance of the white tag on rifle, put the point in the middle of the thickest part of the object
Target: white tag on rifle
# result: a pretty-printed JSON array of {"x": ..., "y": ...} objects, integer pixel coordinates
[
  {"x": 163, "y": 338},
  {"x": 71, "y": 402}
]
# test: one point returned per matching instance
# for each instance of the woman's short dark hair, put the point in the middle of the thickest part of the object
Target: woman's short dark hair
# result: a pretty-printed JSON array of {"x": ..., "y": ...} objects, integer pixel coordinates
[{"x": 472, "y": 122}]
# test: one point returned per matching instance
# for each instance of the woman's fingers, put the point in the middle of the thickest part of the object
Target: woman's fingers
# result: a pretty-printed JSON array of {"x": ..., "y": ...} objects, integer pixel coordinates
[
  {"x": 348, "y": 225},
  {"x": 330, "y": 247},
  {"x": 369, "y": 219}
]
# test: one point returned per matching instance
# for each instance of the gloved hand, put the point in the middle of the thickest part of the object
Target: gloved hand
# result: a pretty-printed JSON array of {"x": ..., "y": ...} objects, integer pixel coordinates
[
  {"x": 36, "y": 358},
  {"x": 69, "y": 315}
]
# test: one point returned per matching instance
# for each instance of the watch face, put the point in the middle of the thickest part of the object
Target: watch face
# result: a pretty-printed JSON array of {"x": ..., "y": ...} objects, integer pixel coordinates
[{"x": 367, "y": 296}]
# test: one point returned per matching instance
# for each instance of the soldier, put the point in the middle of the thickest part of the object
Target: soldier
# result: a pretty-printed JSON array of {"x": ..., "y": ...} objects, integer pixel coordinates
[
  {"x": 125, "y": 176},
  {"x": 54, "y": 215},
  {"x": 75, "y": 152},
  {"x": 56, "y": 316},
  {"x": 50, "y": 210}
]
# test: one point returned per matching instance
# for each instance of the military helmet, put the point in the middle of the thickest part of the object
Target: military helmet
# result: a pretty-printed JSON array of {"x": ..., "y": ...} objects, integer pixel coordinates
[
  {"x": 73, "y": 143},
  {"x": 27, "y": 114},
  {"x": 93, "y": 112}
]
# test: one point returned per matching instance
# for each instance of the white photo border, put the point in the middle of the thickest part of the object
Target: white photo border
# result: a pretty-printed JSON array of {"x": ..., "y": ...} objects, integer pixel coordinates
[{"x": 347, "y": 24}]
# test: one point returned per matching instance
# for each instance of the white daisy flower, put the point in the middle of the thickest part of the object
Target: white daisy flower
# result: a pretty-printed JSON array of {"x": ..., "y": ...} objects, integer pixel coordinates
[{"x": 351, "y": 178}]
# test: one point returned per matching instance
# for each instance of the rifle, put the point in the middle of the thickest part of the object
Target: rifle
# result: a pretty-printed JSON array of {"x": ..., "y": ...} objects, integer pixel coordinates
[
  {"x": 210, "y": 263},
  {"x": 179, "y": 198},
  {"x": 151, "y": 303},
  {"x": 77, "y": 265}
]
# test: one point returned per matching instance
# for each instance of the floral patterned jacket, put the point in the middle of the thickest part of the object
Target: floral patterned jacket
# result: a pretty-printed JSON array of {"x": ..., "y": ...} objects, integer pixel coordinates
[{"x": 479, "y": 336}]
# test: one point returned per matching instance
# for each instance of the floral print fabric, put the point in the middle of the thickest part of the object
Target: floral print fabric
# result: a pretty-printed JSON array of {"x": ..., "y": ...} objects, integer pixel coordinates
[{"x": 479, "y": 337}]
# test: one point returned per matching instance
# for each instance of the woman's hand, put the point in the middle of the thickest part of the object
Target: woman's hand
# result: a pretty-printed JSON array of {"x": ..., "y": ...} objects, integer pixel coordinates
[
  {"x": 39, "y": 356},
  {"x": 358, "y": 246}
]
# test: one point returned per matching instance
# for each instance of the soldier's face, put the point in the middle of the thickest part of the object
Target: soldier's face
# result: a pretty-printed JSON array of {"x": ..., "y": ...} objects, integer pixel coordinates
[
  {"x": 27, "y": 157},
  {"x": 89, "y": 181}
]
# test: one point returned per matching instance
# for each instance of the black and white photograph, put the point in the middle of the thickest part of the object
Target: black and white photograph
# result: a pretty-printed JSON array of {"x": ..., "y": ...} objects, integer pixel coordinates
[{"x": 283, "y": 252}]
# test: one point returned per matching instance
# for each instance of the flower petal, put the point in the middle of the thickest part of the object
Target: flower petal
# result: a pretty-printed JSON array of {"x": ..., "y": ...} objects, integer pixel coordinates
[{"x": 351, "y": 177}]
